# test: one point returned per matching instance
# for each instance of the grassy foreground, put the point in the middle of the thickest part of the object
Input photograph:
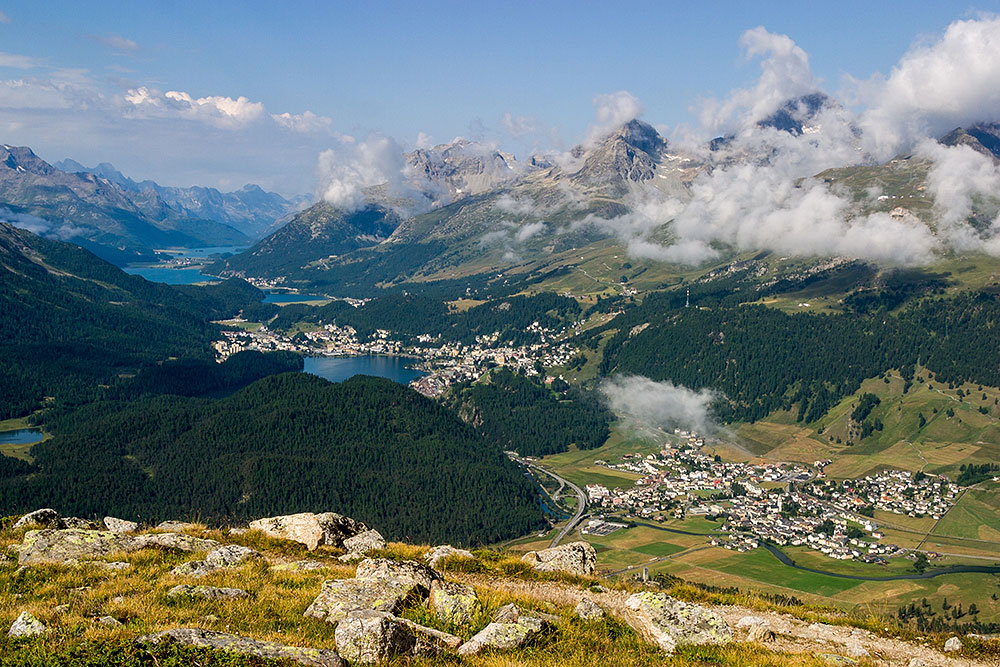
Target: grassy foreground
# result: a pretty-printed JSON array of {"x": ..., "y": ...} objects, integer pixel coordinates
[{"x": 70, "y": 600}]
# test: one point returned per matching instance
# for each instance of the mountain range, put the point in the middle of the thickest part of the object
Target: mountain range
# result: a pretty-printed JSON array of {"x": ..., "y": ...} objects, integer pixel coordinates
[{"x": 122, "y": 220}]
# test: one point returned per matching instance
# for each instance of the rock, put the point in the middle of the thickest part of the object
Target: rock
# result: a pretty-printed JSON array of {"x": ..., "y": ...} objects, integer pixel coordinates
[
  {"x": 446, "y": 551},
  {"x": 856, "y": 650},
  {"x": 174, "y": 541},
  {"x": 175, "y": 526},
  {"x": 245, "y": 646},
  {"x": 60, "y": 546},
  {"x": 299, "y": 566},
  {"x": 667, "y": 622},
  {"x": 239, "y": 531},
  {"x": 120, "y": 526},
  {"x": 47, "y": 518},
  {"x": 78, "y": 523},
  {"x": 453, "y": 603},
  {"x": 511, "y": 628},
  {"x": 589, "y": 610},
  {"x": 363, "y": 543},
  {"x": 757, "y": 629},
  {"x": 953, "y": 644},
  {"x": 61, "y": 609},
  {"x": 109, "y": 621},
  {"x": 27, "y": 625},
  {"x": 836, "y": 660},
  {"x": 339, "y": 597},
  {"x": 207, "y": 592},
  {"x": 193, "y": 568},
  {"x": 368, "y": 637},
  {"x": 310, "y": 529},
  {"x": 916, "y": 662},
  {"x": 573, "y": 558},
  {"x": 410, "y": 570},
  {"x": 232, "y": 555}
]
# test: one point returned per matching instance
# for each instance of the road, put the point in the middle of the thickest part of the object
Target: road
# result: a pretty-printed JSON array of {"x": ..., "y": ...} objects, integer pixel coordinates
[{"x": 581, "y": 501}]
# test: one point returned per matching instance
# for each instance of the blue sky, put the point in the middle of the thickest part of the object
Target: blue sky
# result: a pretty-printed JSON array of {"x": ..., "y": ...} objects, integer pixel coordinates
[{"x": 93, "y": 81}]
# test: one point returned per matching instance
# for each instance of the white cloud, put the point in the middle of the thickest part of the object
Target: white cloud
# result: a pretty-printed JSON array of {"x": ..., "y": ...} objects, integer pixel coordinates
[
  {"x": 116, "y": 42},
  {"x": 305, "y": 122},
  {"x": 40, "y": 226},
  {"x": 660, "y": 404},
  {"x": 785, "y": 74},
  {"x": 346, "y": 171},
  {"x": 16, "y": 61},
  {"x": 613, "y": 111},
  {"x": 519, "y": 126},
  {"x": 936, "y": 86}
]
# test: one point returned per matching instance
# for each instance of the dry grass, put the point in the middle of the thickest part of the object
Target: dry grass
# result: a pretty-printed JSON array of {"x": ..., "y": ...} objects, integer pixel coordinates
[{"x": 70, "y": 599}]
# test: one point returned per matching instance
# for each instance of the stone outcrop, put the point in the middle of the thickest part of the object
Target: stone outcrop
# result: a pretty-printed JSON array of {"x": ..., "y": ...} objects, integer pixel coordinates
[
  {"x": 242, "y": 645},
  {"x": 452, "y": 602},
  {"x": 363, "y": 543},
  {"x": 207, "y": 592},
  {"x": 589, "y": 610},
  {"x": 511, "y": 628},
  {"x": 339, "y": 597},
  {"x": 757, "y": 629},
  {"x": 446, "y": 551},
  {"x": 120, "y": 526},
  {"x": 231, "y": 555},
  {"x": 368, "y": 637},
  {"x": 573, "y": 558},
  {"x": 310, "y": 529},
  {"x": 175, "y": 526},
  {"x": 299, "y": 566},
  {"x": 70, "y": 545},
  {"x": 45, "y": 518},
  {"x": 405, "y": 570},
  {"x": 27, "y": 625},
  {"x": 953, "y": 644},
  {"x": 667, "y": 622}
]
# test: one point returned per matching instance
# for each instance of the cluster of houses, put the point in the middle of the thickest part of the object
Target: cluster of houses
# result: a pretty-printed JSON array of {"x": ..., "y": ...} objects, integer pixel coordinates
[
  {"x": 896, "y": 491},
  {"x": 755, "y": 503}
]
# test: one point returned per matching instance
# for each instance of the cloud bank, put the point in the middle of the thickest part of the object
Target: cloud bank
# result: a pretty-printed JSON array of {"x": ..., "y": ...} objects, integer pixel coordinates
[{"x": 660, "y": 404}]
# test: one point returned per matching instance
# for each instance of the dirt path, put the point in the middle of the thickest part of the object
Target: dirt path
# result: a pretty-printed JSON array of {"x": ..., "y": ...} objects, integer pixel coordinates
[{"x": 791, "y": 634}]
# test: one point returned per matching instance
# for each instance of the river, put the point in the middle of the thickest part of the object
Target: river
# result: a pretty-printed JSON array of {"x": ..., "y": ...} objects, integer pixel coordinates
[{"x": 337, "y": 369}]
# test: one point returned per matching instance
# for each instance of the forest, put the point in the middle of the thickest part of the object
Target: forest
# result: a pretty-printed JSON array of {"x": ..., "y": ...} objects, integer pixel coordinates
[
  {"x": 519, "y": 413},
  {"x": 763, "y": 360},
  {"x": 72, "y": 322},
  {"x": 367, "y": 447}
]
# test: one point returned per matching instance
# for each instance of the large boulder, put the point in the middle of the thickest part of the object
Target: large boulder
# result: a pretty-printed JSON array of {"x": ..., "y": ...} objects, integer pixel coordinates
[
  {"x": 207, "y": 592},
  {"x": 175, "y": 526},
  {"x": 71, "y": 544},
  {"x": 453, "y": 603},
  {"x": 27, "y": 625},
  {"x": 367, "y": 637},
  {"x": 406, "y": 570},
  {"x": 232, "y": 555},
  {"x": 511, "y": 628},
  {"x": 363, "y": 543},
  {"x": 45, "y": 518},
  {"x": 242, "y": 645},
  {"x": 573, "y": 558},
  {"x": 445, "y": 552},
  {"x": 120, "y": 526},
  {"x": 339, "y": 597},
  {"x": 310, "y": 529},
  {"x": 667, "y": 622}
]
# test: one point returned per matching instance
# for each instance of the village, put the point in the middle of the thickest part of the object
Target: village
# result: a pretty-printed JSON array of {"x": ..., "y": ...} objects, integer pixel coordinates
[
  {"x": 445, "y": 363},
  {"x": 786, "y": 504}
]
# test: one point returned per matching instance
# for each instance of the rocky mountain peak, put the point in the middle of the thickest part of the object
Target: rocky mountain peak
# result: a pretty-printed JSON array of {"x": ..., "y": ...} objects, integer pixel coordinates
[
  {"x": 982, "y": 137},
  {"x": 796, "y": 114},
  {"x": 630, "y": 154}
]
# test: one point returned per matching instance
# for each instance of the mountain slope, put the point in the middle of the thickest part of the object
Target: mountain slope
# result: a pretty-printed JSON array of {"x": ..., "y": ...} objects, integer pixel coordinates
[
  {"x": 91, "y": 210},
  {"x": 71, "y": 321},
  {"x": 370, "y": 447}
]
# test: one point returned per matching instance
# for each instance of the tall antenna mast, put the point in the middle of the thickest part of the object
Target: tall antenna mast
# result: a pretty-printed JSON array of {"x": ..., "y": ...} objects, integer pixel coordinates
[{"x": 687, "y": 300}]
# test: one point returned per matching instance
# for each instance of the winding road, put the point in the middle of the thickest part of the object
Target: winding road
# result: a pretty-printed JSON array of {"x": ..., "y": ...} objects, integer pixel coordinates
[{"x": 581, "y": 502}]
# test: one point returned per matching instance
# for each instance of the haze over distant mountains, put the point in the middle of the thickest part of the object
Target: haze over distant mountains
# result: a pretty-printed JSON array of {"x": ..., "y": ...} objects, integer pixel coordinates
[{"x": 122, "y": 220}]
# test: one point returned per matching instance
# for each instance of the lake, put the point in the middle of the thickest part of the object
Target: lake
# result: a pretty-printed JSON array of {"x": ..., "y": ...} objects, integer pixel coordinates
[
  {"x": 22, "y": 436},
  {"x": 286, "y": 297},
  {"x": 185, "y": 275},
  {"x": 162, "y": 274},
  {"x": 337, "y": 369}
]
